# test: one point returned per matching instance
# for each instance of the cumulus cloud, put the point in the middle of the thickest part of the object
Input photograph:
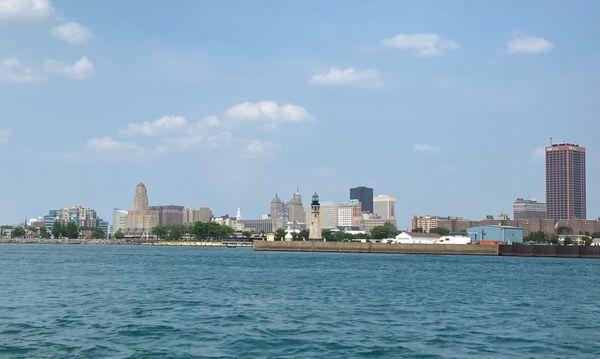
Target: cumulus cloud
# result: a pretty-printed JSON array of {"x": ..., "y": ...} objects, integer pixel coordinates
[
  {"x": 348, "y": 76},
  {"x": 422, "y": 45},
  {"x": 270, "y": 113},
  {"x": 258, "y": 148},
  {"x": 25, "y": 10},
  {"x": 426, "y": 148},
  {"x": 80, "y": 70},
  {"x": 12, "y": 71},
  {"x": 72, "y": 32},
  {"x": 528, "y": 45},
  {"x": 5, "y": 135},
  {"x": 161, "y": 125},
  {"x": 110, "y": 146}
]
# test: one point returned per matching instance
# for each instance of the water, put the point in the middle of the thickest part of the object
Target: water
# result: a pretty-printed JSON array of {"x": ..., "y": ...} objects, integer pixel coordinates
[{"x": 121, "y": 301}]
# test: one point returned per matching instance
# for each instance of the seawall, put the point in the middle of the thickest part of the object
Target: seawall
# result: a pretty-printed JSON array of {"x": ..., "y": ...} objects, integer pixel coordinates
[{"x": 357, "y": 247}]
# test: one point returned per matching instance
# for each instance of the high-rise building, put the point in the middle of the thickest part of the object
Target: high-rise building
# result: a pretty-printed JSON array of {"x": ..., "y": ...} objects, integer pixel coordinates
[
  {"x": 191, "y": 216},
  {"x": 314, "y": 233},
  {"x": 169, "y": 215},
  {"x": 385, "y": 207},
  {"x": 119, "y": 219},
  {"x": 565, "y": 181},
  {"x": 141, "y": 219},
  {"x": 529, "y": 209},
  {"x": 349, "y": 213},
  {"x": 83, "y": 217},
  {"x": 329, "y": 215},
  {"x": 365, "y": 196},
  {"x": 425, "y": 223},
  {"x": 278, "y": 213},
  {"x": 295, "y": 211}
]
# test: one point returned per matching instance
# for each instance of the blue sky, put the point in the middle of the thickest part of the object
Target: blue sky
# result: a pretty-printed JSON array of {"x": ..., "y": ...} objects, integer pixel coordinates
[{"x": 223, "y": 104}]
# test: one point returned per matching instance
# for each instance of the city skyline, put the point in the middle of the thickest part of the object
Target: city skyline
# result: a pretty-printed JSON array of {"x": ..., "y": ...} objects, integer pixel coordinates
[{"x": 409, "y": 100}]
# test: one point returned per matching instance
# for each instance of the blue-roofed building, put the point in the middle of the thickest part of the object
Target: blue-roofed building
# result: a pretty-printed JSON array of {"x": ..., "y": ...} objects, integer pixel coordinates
[{"x": 502, "y": 234}]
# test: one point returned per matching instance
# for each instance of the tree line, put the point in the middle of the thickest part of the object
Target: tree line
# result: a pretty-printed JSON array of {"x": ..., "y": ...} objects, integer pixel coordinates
[{"x": 199, "y": 230}]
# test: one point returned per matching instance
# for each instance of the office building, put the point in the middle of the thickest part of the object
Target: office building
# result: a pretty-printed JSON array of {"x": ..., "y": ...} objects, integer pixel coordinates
[
  {"x": 257, "y": 225},
  {"x": 83, "y": 217},
  {"x": 349, "y": 213},
  {"x": 295, "y": 211},
  {"x": 425, "y": 223},
  {"x": 191, "y": 215},
  {"x": 141, "y": 219},
  {"x": 169, "y": 215},
  {"x": 565, "y": 181},
  {"x": 365, "y": 196},
  {"x": 328, "y": 215},
  {"x": 119, "y": 219},
  {"x": 385, "y": 207},
  {"x": 529, "y": 209}
]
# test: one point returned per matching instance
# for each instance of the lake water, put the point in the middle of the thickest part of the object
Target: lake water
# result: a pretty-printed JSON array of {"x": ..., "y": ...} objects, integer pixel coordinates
[{"x": 183, "y": 302}]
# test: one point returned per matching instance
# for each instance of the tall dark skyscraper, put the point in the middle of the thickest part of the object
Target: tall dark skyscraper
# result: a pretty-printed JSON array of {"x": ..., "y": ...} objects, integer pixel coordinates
[
  {"x": 565, "y": 181},
  {"x": 365, "y": 196}
]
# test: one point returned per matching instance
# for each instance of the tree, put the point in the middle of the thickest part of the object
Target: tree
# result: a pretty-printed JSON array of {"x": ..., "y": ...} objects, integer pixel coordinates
[
  {"x": 537, "y": 237},
  {"x": 119, "y": 235},
  {"x": 176, "y": 232},
  {"x": 388, "y": 230},
  {"x": 567, "y": 241},
  {"x": 18, "y": 232},
  {"x": 210, "y": 230},
  {"x": 58, "y": 230},
  {"x": 303, "y": 235},
  {"x": 327, "y": 234},
  {"x": 280, "y": 234},
  {"x": 98, "y": 233},
  {"x": 596, "y": 235},
  {"x": 160, "y": 232},
  {"x": 440, "y": 230},
  {"x": 71, "y": 230},
  {"x": 587, "y": 241},
  {"x": 417, "y": 230},
  {"x": 44, "y": 233}
]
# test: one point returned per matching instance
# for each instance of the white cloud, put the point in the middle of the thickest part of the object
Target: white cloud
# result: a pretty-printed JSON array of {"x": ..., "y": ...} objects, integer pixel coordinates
[
  {"x": 423, "y": 45},
  {"x": 25, "y": 10},
  {"x": 80, "y": 70},
  {"x": 349, "y": 76},
  {"x": 14, "y": 72},
  {"x": 72, "y": 32},
  {"x": 426, "y": 148},
  {"x": 528, "y": 45},
  {"x": 5, "y": 135},
  {"x": 108, "y": 145},
  {"x": 159, "y": 126},
  {"x": 258, "y": 148},
  {"x": 272, "y": 114}
]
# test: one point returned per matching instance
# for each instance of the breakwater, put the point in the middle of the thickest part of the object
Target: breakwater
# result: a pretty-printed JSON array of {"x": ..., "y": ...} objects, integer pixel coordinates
[
  {"x": 519, "y": 250},
  {"x": 357, "y": 247}
]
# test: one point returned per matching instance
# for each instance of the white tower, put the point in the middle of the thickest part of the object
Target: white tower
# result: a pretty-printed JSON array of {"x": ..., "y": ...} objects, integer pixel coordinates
[
  {"x": 314, "y": 233},
  {"x": 238, "y": 215}
]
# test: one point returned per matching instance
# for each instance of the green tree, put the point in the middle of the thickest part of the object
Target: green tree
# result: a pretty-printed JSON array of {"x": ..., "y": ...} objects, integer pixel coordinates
[
  {"x": 587, "y": 241},
  {"x": 98, "y": 233},
  {"x": 176, "y": 232},
  {"x": 18, "y": 232},
  {"x": 58, "y": 230},
  {"x": 567, "y": 241},
  {"x": 44, "y": 233},
  {"x": 388, "y": 230},
  {"x": 119, "y": 235},
  {"x": 440, "y": 230},
  {"x": 161, "y": 232},
  {"x": 417, "y": 230},
  {"x": 596, "y": 235},
  {"x": 327, "y": 234},
  {"x": 537, "y": 237},
  {"x": 280, "y": 234},
  {"x": 71, "y": 230},
  {"x": 303, "y": 235}
]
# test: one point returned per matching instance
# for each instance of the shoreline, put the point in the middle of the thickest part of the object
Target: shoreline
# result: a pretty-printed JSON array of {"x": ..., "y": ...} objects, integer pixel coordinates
[{"x": 65, "y": 241}]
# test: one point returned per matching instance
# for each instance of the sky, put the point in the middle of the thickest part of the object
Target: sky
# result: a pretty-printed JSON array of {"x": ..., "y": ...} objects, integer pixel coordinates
[{"x": 445, "y": 105}]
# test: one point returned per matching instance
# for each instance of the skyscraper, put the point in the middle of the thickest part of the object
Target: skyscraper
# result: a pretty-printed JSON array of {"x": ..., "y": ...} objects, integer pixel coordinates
[
  {"x": 295, "y": 210},
  {"x": 565, "y": 181},
  {"x": 385, "y": 207},
  {"x": 141, "y": 219},
  {"x": 365, "y": 196},
  {"x": 278, "y": 213},
  {"x": 529, "y": 209}
]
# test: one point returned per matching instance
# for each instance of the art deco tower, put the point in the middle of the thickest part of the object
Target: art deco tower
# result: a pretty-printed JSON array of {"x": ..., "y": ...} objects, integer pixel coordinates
[
  {"x": 141, "y": 220},
  {"x": 314, "y": 233},
  {"x": 140, "y": 200},
  {"x": 565, "y": 181}
]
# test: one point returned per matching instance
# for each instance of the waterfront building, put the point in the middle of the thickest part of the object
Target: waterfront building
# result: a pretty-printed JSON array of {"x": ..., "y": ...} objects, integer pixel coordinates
[
  {"x": 191, "y": 216},
  {"x": 83, "y": 217},
  {"x": 314, "y": 233},
  {"x": 529, "y": 209},
  {"x": 169, "y": 214},
  {"x": 384, "y": 206},
  {"x": 565, "y": 181},
  {"x": 329, "y": 215},
  {"x": 257, "y": 225},
  {"x": 349, "y": 213},
  {"x": 548, "y": 226},
  {"x": 500, "y": 234},
  {"x": 119, "y": 219},
  {"x": 296, "y": 215},
  {"x": 141, "y": 219},
  {"x": 425, "y": 223},
  {"x": 416, "y": 238},
  {"x": 365, "y": 196}
]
